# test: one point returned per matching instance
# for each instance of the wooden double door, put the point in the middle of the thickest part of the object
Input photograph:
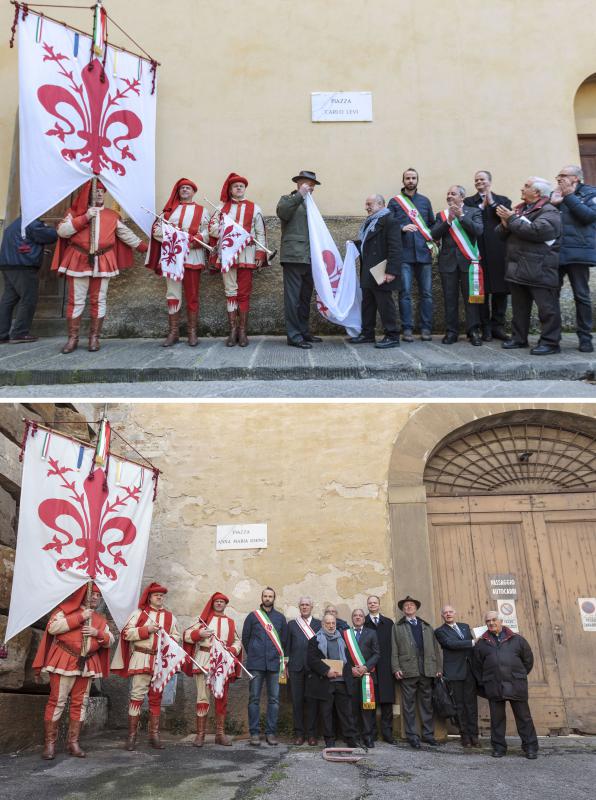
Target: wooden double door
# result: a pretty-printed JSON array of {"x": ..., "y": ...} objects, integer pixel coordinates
[{"x": 547, "y": 543}]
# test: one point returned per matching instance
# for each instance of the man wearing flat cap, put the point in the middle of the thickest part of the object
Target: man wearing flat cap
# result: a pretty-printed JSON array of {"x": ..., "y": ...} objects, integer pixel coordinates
[
  {"x": 198, "y": 640},
  {"x": 135, "y": 658},
  {"x": 295, "y": 260},
  {"x": 415, "y": 661}
]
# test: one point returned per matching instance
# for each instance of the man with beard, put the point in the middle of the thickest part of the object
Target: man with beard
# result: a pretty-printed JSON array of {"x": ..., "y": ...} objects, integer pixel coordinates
[
  {"x": 300, "y": 631},
  {"x": 264, "y": 639},
  {"x": 198, "y": 640},
  {"x": 492, "y": 253},
  {"x": 414, "y": 214},
  {"x": 74, "y": 650},
  {"x": 379, "y": 240},
  {"x": 385, "y": 681},
  {"x": 135, "y": 658}
]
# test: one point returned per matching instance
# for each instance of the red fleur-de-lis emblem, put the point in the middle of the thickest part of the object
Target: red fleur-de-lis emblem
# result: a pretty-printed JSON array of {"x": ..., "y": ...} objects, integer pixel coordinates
[
  {"x": 87, "y": 113},
  {"x": 228, "y": 236},
  {"x": 171, "y": 248},
  {"x": 101, "y": 533},
  {"x": 334, "y": 273}
]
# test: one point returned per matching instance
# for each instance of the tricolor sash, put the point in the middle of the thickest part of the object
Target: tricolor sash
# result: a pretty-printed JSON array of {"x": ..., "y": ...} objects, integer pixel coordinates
[
  {"x": 472, "y": 253},
  {"x": 368, "y": 687},
  {"x": 413, "y": 214},
  {"x": 272, "y": 633},
  {"x": 305, "y": 627}
]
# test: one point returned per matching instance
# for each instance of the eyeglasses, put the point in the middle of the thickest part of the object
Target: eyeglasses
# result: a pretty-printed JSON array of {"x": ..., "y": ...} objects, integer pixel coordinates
[{"x": 566, "y": 175}]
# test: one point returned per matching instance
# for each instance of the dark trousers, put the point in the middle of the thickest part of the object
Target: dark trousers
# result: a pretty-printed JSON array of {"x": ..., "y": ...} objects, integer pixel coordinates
[
  {"x": 374, "y": 300},
  {"x": 579, "y": 278},
  {"x": 454, "y": 284},
  {"x": 466, "y": 701},
  {"x": 298, "y": 289},
  {"x": 386, "y": 720},
  {"x": 20, "y": 289},
  {"x": 493, "y": 310},
  {"x": 304, "y": 709},
  {"x": 342, "y": 702},
  {"x": 549, "y": 313},
  {"x": 523, "y": 723},
  {"x": 364, "y": 718},
  {"x": 417, "y": 689}
]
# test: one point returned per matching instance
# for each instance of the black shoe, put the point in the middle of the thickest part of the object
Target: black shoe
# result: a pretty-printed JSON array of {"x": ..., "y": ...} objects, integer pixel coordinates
[
  {"x": 499, "y": 333},
  {"x": 487, "y": 335},
  {"x": 498, "y": 754},
  {"x": 407, "y": 336},
  {"x": 389, "y": 740},
  {"x": 532, "y": 755},
  {"x": 329, "y": 742},
  {"x": 387, "y": 342},
  {"x": 415, "y": 743},
  {"x": 351, "y": 743},
  {"x": 586, "y": 346},
  {"x": 310, "y": 338},
  {"x": 545, "y": 350},
  {"x": 475, "y": 338},
  {"x": 369, "y": 743},
  {"x": 430, "y": 740},
  {"x": 449, "y": 338},
  {"x": 512, "y": 344},
  {"x": 299, "y": 343},
  {"x": 361, "y": 339}
]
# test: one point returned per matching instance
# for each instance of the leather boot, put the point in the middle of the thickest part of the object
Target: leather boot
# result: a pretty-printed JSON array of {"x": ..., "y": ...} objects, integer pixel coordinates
[
  {"x": 220, "y": 737},
  {"x": 74, "y": 327},
  {"x": 173, "y": 330},
  {"x": 94, "y": 334},
  {"x": 154, "y": 739},
  {"x": 133, "y": 725},
  {"x": 242, "y": 338},
  {"x": 72, "y": 741},
  {"x": 233, "y": 334},
  {"x": 51, "y": 731},
  {"x": 193, "y": 317},
  {"x": 199, "y": 739}
]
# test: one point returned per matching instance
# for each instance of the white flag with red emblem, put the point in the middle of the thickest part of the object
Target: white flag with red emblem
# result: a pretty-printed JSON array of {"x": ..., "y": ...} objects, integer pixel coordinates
[
  {"x": 77, "y": 119},
  {"x": 221, "y": 668},
  {"x": 78, "y": 523},
  {"x": 168, "y": 660},
  {"x": 174, "y": 250},
  {"x": 336, "y": 281},
  {"x": 233, "y": 238}
]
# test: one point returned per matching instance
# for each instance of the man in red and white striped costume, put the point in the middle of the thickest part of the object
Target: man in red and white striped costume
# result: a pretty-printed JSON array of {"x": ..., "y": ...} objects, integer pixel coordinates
[
  {"x": 238, "y": 280},
  {"x": 75, "y": 648},
  {"x": 89, "y": 226},
  {"x": 198, "y": 640},
  {"x": 182, "y": 212},
  {"x": 135, "y": 658}
]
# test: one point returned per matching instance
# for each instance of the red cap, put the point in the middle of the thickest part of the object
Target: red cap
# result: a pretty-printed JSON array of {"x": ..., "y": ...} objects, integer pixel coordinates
[
  {"x": 207, "y": 614},
  {"x": 173, "y": 200},
  {"x": 225, "y": 189},
  {"x": 153, "y": 588}
]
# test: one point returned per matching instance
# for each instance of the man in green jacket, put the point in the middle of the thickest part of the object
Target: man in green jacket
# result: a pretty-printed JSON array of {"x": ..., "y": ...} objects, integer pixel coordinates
[
  {"x": 295, "y": 260},
  {"x": 415, "y": 661}
]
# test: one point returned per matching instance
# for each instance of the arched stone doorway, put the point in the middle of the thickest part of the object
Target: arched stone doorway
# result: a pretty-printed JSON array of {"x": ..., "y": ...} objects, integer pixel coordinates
[
  {"x": 585, "y": 121},
  {"x": 506, "y": 496}
]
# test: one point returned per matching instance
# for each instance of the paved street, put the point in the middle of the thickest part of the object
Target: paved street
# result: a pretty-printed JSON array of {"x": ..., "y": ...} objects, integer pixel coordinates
[
  {"x": 269, "y": 368},
  {"x": 566, "y": 768}
]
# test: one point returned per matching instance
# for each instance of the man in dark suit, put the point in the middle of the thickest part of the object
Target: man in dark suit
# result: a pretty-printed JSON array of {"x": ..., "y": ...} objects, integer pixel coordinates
[
  {"x": 367, "y": 641},
  {"x": 457, "y": 644},
  {"x": 492, "y": 252},
  {"x": 330, "y": 688},
  {"x": 300, "y": 631},
  {"x": 385, "y": 681},
  {"x": 453, "y": 226},
  {"x": 379, "y": 239}
]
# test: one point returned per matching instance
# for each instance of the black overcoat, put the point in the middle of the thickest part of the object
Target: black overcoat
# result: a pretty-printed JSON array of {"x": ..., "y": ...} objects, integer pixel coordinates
[
  {"x": 457, "y": 653},
  {"x": 317, "y": 685},
  {"x": 383, "y": 244},
  {"x": 502, "y": 669},
  {"x": 492, "y": 247},
  {"x": 297, "y": 644},
  {"x": 385, "y": 679},
  {"x": 451, "y": 258}
]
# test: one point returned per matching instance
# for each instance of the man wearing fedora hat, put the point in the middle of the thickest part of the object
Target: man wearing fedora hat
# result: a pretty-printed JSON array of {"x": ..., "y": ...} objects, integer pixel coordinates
[
  {"x": 295, "y": 260},
  {"x": 415, "y": 661}
]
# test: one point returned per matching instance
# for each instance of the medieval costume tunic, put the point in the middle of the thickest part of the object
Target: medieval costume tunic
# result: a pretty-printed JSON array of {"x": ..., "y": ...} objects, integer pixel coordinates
[
  {"x": 72, "y": 661},
  {"x": 200, "y": 649},
  {"x": 87, "y": 274},
  {"x": 193, "y": 219},
  {"x": 238, "y": 279},
  {"x": 135, "y": 658}
]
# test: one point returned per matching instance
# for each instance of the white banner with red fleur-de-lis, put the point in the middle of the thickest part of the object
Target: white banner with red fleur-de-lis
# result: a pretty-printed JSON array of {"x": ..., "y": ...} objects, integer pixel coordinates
[
  {"x": 168, "y": 660},
  {"x": 77, "y": 119},
  {"x": 78, "y": 524},
  {"x": 233, "y": 238}
]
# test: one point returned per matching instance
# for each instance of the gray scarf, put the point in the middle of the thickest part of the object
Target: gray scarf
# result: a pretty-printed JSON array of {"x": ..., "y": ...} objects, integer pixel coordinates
[
  {"x": 323, "y": 637},
  {"x": 370, "y": 223}
]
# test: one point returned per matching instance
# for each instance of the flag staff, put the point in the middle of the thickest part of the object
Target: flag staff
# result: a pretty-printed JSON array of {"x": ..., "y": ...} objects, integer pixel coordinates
[
  {"x": 216, "y": 637},
  {"x": 262, "y": 246},
  {"x": 193, "y": 238}
]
